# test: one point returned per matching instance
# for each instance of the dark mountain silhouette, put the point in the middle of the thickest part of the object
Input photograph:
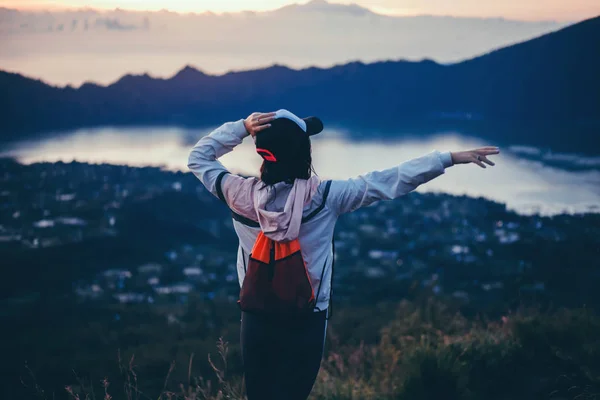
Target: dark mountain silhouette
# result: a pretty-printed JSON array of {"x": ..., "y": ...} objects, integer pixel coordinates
[
  {"x": 315, "y": 33},
  {"x": 553, "y": 79}
]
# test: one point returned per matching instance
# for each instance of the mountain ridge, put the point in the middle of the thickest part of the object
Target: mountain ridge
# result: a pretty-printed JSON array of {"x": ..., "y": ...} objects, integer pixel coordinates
[
  {"x": 160, "y": 43},
  {"x": 550, "y": 78}
]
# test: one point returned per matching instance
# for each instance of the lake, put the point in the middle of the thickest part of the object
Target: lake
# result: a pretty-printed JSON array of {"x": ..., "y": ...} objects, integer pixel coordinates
[{"x": 528, "y": 179}]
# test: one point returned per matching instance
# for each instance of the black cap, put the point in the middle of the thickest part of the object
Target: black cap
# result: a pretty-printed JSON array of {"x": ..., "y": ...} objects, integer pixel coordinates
[
  {"x": 314, "y": 125},
  {"x": 287, "y": 135}
]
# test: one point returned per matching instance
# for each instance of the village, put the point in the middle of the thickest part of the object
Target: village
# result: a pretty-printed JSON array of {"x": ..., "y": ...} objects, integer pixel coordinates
[{"x": 470, "y": 250}]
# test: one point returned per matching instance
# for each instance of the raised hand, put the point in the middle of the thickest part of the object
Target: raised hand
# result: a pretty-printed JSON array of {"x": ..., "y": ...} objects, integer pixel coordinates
[
  {"x": 257, "y": 122},
  {"x": 477, "y": 156}
]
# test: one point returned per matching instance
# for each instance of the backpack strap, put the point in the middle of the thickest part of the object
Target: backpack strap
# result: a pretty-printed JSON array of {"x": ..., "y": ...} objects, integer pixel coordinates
[
  {"x": 219, "y": 187},
  {"x": 320, "y": 283},
  {"x": 321, "y": 206},
  {"x": 330, "y": 308},
  {"x": 308, "y": 218},
  {"x": 239, "y": 218}
]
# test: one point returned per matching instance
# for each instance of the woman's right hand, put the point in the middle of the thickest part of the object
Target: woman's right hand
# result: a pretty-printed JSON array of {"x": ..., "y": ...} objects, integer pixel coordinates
[
  {"x": 257, "y": 122},
  {"x": 477, "y": 156}
]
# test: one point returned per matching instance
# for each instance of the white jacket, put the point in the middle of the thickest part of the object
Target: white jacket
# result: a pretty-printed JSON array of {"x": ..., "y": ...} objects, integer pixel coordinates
[{"x": 315, "y": 235}]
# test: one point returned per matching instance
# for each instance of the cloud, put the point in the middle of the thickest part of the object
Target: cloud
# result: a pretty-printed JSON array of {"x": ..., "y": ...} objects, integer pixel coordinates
[{"x": 531, "y": 10}]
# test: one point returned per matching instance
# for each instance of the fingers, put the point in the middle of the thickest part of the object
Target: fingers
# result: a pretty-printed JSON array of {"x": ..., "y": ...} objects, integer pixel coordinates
[
  {"x": 261, "y": 128},
  {"x": 480, "y": 156},
  {"x": 488, "y": 151},
  {"x": 481, "y": 164},
  {"x": 258, "y": 122},
  {"x": 265, "y": 120},
  {"x": 485, "y": 160},
  {"x": 261, "y": 121},
  {"x": 261, "y": 117},
  {"x": 476, "y": 159}
]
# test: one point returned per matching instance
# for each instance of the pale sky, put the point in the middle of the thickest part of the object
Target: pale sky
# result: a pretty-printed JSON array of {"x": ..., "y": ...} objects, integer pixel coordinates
[{"x": 560, "y": 10}]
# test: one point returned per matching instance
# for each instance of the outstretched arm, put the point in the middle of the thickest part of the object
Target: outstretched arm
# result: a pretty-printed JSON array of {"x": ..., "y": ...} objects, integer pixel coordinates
[{"x": 349, "y": 195}]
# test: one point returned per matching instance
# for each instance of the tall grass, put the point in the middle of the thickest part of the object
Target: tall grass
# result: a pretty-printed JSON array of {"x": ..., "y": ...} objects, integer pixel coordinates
[{"x": 424, "y": 352}]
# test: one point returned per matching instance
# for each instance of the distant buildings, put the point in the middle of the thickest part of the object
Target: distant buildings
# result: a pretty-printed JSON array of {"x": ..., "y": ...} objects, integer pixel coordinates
[{"x": 458, "y": 247}]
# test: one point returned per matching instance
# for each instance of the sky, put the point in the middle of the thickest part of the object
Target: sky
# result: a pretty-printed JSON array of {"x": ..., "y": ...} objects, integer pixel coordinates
[{"x": 559, "y": 10}]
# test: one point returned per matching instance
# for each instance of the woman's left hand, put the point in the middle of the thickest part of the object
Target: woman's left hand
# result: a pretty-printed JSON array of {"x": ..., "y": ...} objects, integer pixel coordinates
[
  {"x": 477, "y": 156},
  {"x": 257, "y": 122}
]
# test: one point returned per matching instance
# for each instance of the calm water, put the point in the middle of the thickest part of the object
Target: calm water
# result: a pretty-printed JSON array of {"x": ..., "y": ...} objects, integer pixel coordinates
[{"x": 527, "y": 179}]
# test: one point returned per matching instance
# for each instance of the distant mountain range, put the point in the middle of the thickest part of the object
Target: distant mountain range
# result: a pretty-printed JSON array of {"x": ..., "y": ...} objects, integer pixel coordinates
[
  {"x": 553, "y": 79},
  {"x": 75, "y": 46}
]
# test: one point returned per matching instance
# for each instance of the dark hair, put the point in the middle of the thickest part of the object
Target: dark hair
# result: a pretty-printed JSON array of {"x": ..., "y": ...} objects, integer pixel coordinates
[{"x": 297, "y": 165}]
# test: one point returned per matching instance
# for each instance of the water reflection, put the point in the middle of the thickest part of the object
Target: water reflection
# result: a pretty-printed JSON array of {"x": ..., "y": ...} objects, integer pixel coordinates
[{"x": 526, "y": 179}]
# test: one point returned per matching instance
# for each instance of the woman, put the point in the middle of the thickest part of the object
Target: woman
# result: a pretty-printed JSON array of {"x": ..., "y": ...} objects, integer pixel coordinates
[{"x": 282, "y": 356}]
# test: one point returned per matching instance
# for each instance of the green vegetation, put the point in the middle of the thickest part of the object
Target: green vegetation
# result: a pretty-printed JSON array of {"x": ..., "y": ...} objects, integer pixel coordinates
[
  {"x": 430, "y": 352},
  {"x": 412, "y": 350}
]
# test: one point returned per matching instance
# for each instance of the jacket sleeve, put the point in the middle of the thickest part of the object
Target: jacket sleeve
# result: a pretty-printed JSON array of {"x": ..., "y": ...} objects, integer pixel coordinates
[
  {"x": 350, "y": 195},
  {"x": 203, "y": 157}
]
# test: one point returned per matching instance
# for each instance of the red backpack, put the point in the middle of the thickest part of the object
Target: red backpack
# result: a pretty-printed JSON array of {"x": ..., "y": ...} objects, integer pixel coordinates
[{"x": 277, "y": 280}]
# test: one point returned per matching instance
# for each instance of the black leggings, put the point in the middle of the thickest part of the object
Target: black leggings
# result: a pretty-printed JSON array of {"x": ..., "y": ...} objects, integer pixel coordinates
[{"x": 281, "y": 358}]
